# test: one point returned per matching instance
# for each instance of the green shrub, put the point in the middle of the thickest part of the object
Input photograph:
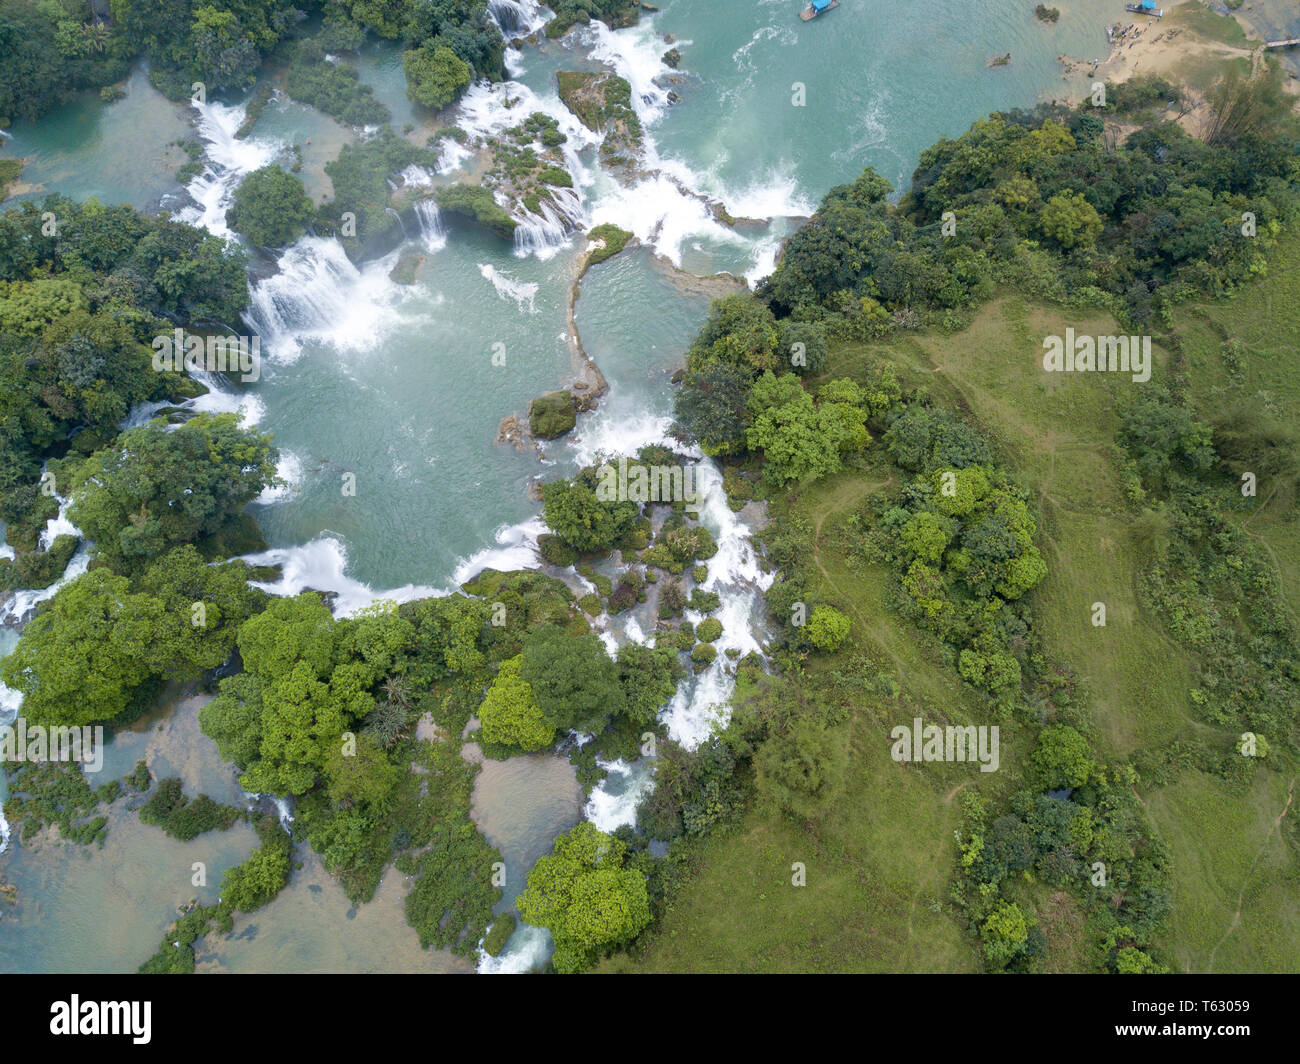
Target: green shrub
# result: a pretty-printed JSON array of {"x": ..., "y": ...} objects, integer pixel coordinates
[
  {"x": 708, "y": 630},
  {"x": 704, "y": 653}
]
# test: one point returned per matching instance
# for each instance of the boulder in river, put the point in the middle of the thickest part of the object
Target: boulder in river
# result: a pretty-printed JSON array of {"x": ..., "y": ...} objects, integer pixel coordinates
[{"x": 552, "y": 415}]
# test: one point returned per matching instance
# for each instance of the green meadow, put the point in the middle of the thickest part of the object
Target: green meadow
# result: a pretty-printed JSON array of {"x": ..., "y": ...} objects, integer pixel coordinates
[{"x": 880, "y": 859}]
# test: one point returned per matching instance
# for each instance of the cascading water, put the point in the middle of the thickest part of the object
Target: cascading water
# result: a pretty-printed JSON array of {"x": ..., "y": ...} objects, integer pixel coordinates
[
  {"x": 543, "y": 233},
  {"x": 22, "y": 603},
  {"x": 320, "y": 295},
  {"x": 517, "y": 18},
  {"x": 228, "y": 159},
  {"x": 432, "y": 232}
]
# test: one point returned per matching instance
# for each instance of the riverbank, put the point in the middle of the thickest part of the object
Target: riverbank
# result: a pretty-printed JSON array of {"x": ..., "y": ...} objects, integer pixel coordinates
[{"x": 1185, "y": 46}]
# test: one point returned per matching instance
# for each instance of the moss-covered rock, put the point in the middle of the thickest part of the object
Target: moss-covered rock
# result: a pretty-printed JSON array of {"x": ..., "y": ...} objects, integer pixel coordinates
[
  {"x": 603, "y": 103},
  {"x": 476, "y": 204},
  {"x": 614, "y": 239},
  {"x": 502, "y": 928},
  {"x": 407, "y": 268},
  {"x": 552, "y": 415}
]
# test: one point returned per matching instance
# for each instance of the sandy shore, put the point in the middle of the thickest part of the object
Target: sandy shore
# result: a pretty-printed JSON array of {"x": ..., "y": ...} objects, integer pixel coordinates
[{"x": 1144, "y": 45}]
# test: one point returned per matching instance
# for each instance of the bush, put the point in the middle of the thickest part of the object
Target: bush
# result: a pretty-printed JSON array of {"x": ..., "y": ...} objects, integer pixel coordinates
[
  {"x": 614, "y": 239},
  {"x": 554, "y": 550},
  {"x": 477, "y": 204},
  {"x": 184, "y": 818},
  {"x": 335, "y": 88},
  {"x": 435, "y": 75},
  {"x": 499, "y": 934},
  {"x": 708, "y": 630},
  {"x": 704, "y": 653},
  {"x": 828, "y": 628}
]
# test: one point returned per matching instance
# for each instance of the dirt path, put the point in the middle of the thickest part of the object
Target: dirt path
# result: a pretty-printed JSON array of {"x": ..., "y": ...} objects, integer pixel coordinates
[{"x": 1235, "y": 922}]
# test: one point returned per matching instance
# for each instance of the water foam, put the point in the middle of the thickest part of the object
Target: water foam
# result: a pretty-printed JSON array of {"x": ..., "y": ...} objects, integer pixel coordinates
[
  {"x": 321, "y": 565},
  {"x": 228, "y": 160},
  {"x": 522, "y": 292},
  {"x": 22, "y": 603},
  {"x": 320, "y": 295},
  {"x": 288, "y": 469}
]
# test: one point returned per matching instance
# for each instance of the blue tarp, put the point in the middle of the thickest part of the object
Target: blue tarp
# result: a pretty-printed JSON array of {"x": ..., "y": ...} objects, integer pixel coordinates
[{"x": 821, "y": 5}]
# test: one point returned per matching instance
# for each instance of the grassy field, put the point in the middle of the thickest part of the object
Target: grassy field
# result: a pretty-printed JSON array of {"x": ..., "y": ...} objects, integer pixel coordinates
[{"x": 879, "y": 863}]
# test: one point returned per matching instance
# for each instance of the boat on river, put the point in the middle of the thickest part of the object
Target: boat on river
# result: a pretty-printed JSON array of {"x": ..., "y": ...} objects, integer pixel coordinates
[{"x": 816, "y": 8}]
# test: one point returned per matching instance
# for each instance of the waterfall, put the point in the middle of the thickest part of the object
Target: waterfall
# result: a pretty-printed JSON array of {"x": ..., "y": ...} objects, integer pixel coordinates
[
  {"x": 228, "y": 160},
  {"x": 22, "y": 603},
  {"x": 544, "y": 233},
  {"x": 516, "y": 18},
  {"x": 393, "y": 214},
  {"x": 432, "y": 232},
  {"x": 320, "y": 295}
]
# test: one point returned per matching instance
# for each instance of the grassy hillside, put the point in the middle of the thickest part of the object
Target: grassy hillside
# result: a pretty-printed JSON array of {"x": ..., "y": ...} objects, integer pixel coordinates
[{"x": 880, "y": 861}]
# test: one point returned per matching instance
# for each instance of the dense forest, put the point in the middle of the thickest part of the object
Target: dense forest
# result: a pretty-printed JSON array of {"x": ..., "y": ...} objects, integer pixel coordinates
[{"x": 51, "y": 49}]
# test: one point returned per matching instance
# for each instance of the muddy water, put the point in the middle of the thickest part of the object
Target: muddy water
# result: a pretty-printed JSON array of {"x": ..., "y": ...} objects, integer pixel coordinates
[
  {"x": 313, "y": 927},
  {"x": 520, "y": 805},
  {"x": 141, "y": 876}
]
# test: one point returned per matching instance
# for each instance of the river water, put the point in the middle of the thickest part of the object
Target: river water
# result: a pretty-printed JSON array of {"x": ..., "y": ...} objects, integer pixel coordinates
[{"x": 397, "y": 386}]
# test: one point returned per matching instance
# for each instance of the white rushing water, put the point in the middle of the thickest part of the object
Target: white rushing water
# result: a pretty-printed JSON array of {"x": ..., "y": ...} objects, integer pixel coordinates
[
  {"x": 524, "y": 293},
  {"x": 228, "y": 160},
  {"x": 320, "y": 295},
  {"x": 21, "y": 604}
]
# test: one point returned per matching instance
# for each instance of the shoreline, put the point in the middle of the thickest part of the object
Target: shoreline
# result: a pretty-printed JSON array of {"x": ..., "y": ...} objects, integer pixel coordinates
[{"x": 1165, "y": 47}]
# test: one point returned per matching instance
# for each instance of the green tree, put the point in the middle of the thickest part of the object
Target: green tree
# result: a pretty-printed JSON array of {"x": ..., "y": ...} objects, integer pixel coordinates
[
  {"x": 85, "y": 652},
  {"x": 1005, "y": 933},
  {"x": 290, "y": 630},
  {"x": 155, "y": 489},
  {"x": 711, "y": 405},
  {"x": 204, "y": 606},
  {"x": 1070, "y": 220},
  {"x": 787, "y": 429},
  {"x": 648, "y": 679},
  {"x": 509, "y": 713},
  {"x": 574, "y": 681},
  {"x": 583, "y": 520},
  {"x": 741, "y": 330},
  {"x": 827, "y": 628},
  {"x": 435, "y": 75},
  {"x": 271, "y": 207},
  {"x": 1062, "y": 757},
  {"x": 360, "y": 776},
  {"x": 802, "y": 347},
  {"x": 302, "y": 725},
  {"x": 586, "y": 897}
]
